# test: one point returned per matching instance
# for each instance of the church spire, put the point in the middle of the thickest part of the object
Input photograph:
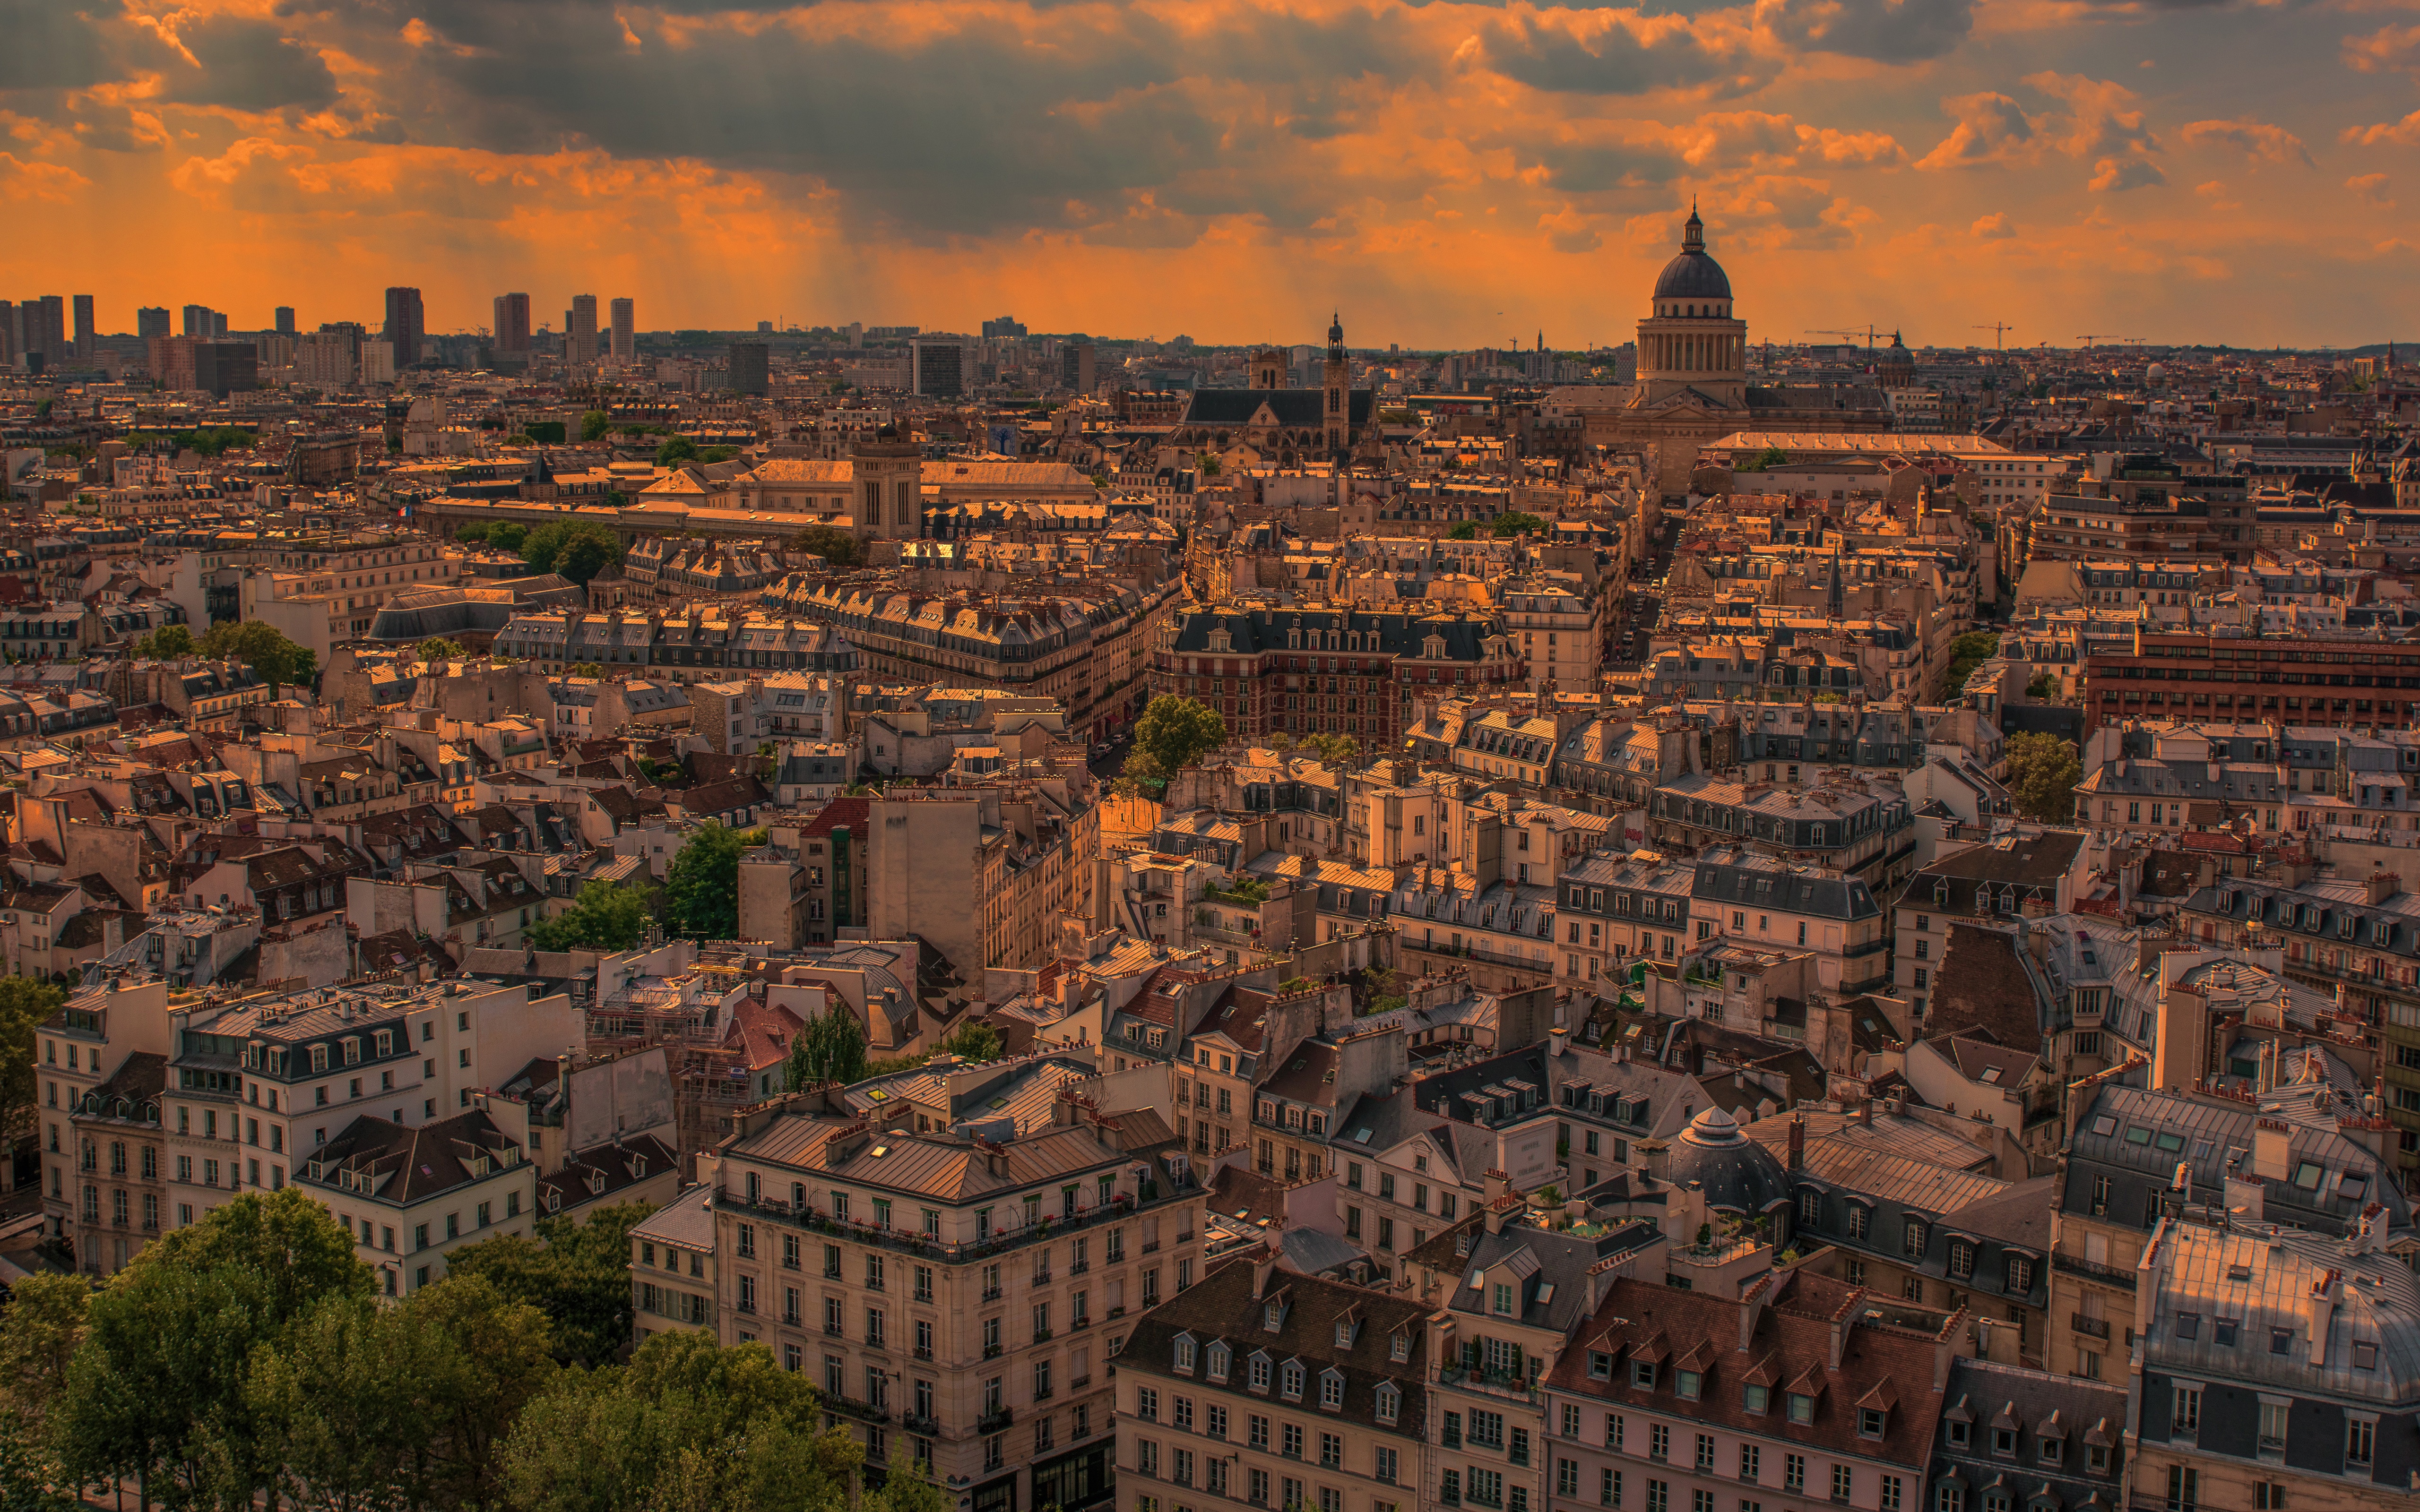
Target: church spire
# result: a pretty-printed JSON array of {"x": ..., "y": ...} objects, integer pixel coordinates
[{"x": 1693, "y": 231}]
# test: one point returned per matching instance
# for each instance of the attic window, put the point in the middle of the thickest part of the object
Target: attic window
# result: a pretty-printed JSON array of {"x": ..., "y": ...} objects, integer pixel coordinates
[
  {"x": 1273, "y": 1316},
  {"x": 1801, "y": 1407}
]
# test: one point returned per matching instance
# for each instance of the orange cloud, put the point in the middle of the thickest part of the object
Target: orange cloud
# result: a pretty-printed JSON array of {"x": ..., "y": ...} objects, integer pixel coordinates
[{"x": 2255, "y": 140}]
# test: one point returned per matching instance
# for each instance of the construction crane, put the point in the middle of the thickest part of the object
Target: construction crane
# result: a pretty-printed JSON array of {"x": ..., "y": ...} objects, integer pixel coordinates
[
  {"x": 1999, "y": 329},
  {"x": 1869, "y": 333},
  {"x": 2098, "y": 336}
]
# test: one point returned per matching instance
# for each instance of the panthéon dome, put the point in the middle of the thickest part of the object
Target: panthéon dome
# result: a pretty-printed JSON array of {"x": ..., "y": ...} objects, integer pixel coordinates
[{"x": 1693, "y": 274}]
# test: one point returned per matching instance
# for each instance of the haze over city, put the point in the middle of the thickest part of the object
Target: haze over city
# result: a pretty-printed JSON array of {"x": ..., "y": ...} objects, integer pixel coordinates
[{"x": 1456, "y": 174}]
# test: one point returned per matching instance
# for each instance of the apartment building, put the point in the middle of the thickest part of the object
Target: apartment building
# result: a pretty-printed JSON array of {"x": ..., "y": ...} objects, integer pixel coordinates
[
  {"x": 1800, "y": 1390},
  {"x": 2353, "y": 941},
  {"x": 257, "y": 1084},
  {"x": 2295, "y": 680},
  {"x": 2001, "y": 875},
  {"x": 672, "y": 1273},
  {"x": 1859, "y": 826},
  {"x": 321, "y": 598},
  {"x": 2275, "y": 1370},
  {"x": 1277, "y": 1389},
  {"x": 1739, "y": 895},
  {"x": 410, "y": 1195},
  {"x": 953, "y": 1256},
  {"x": 1359, "y": 672}
]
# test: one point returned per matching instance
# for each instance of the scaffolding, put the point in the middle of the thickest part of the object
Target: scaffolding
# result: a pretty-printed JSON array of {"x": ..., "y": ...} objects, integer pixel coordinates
[{"x": 692, "y": 1015}]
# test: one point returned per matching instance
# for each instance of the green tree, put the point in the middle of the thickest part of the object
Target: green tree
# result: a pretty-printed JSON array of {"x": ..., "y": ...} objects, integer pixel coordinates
[
  {"x": 332, "y": 1410},
  {"x": 39, "y": 1334},
  {"x": 579, "y": 550},
  {"x": 157, "y": 1388},
  {"x": 24, "y": 1004},
  {"x": 607, "y": 916},
  {"x": 585, "y": 669},
  {"x": 474, "y": 531},
  {"x": 167, "y": 644},
  {"x": 508, "y": 535},
  {"x": 2044, "y": 685},
  {"x": 702, "y": 888},
  {"x": 831, "y": 1048},
  {"x": 438, "y": 648},
  {"x": 1515, "y": 522},
  {"x": 1966, "y": 653},
  {"x": 593, "y": 425},
  {"x": 2043, "y": 771},
  {"x": 676, "y": 451},
  {"x": 711, "y": 454},
  {"x": 833, "y": 544},
  {"x": 499, "y": 1358},
  {"x": 578, "y": 1275},
  {"x": 1463, "y": 530},
  {"x": 265, "y": 649},
  {"x": 908, "y": 1490},
  {"x": 972, "y": 1040},
  {"x": 1334, "y": 749},
  {"x": 1772, "y": 456},
  {"x": 686, "y": 1426},
  {"x": 1176, "y": 732}
]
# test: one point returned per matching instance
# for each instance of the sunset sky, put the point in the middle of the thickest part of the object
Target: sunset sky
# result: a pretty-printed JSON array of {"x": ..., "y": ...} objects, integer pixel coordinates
[{"x": 1447, "y": 174}]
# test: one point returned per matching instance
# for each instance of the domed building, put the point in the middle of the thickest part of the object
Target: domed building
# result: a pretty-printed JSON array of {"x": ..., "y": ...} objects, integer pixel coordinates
[
  {"x": 1737, "y": 1175},
  {"x": 1690, "y": 341},
  {"x": 1693, "y": 386}
]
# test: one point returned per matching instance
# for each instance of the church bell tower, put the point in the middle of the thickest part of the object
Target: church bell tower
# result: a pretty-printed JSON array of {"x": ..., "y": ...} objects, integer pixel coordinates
[{"x": 1336, "y": 405}]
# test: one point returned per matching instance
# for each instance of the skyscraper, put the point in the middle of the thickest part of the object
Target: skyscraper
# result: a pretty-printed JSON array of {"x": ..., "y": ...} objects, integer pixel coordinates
[
  {"x": 198, "y": 323},
  {"x": 749, "y": 369},
  {"x": 405, "y": 324},
  {"x": 152, "y": 320},
  {"x": 512, "y": 323},
  {"x": 285, "y": 320},
  {"x": 937, "y": 366},
  {"x": 84, "y": 331},
  {"x": 55, "y": 330},
  {"x": 580, "y": 331},
  {"x": 626, "y": 334},
  {"x": 12, "y": 332}
]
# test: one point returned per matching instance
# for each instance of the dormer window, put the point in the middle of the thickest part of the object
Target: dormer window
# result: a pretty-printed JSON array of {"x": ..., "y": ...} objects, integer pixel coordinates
[
  {"x": 1273, "y": 1315},
  {"x": 1290, "y": 1380},
  {"x": 1260, "y": 1373},
  {"x": 1757, "y": 1399},
  {"x": 1688, "y": 1383},
  {"x": 1869, "y": 1422},
  {"x": 1961, "y": 1434},
  {"x": 1642, "y": 1375},
  {"x": 1801, "y": 1407},
  {"x": 1388, "y": 1401},
  {"x": 1399, "y": 1348},
  {"x": 1346, "y": 1328},
  {"x": 1331, "y": 1391},
  {"x": 1184, "y": 1347},
  {"x": 1503, "y": 1299}
]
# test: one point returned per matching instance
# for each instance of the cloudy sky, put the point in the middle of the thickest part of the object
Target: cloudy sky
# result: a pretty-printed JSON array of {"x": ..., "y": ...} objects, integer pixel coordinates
[{"x": 1446, "y": 174}]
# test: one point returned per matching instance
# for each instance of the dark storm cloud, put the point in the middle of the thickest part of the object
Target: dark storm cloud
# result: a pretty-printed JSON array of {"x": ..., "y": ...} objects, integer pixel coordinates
[
  {"x": 1885, "y": 31},
  {"x": 248, "y": 64}
]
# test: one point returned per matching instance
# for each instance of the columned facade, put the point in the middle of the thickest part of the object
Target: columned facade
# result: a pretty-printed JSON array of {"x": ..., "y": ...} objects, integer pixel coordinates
[{"x": 1690, "y": 340}]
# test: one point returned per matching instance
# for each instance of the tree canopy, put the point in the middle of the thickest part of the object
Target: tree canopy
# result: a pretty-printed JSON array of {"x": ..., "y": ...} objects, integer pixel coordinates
[
  {"x": 167, "y": 644},
  {"x": 1334, "y": 749},
  {"x": 673, "y": 452},
  {"x": 973, "y": 1041},
  {"x": 593, "y": 425},
  {"x": 1463, "y": 530},
  {"x": 830, "y": 542},
  {"x": 1515, "y": 522},
  {"x": 25, "y": 1003},
  {"x": 702, "y": 888},
  {"x": 1966, "y": 653},
  {"x": 831, "y": 1048},
  {"x": 438, "y": 648},
  {"x": 578, "y": 1275},
  {"x": 2043, "y": 771},
  {"x": 265, "y": 649},
  {"x": 508, "y": 535},
  {"x": 579, "y": 549},
  {"x": 1175, "y": 731},
  {"x": 606, "y": 916}
]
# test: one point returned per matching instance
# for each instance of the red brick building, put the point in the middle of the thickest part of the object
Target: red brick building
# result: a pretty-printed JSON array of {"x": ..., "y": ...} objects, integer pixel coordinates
[
  {"x": 1350, "y": 671},
  {"x": 2192, "y": 675}
]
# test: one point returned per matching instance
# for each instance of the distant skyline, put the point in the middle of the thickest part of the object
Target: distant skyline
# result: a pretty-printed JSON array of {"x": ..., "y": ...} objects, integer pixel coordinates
[{"x": 1448, "y": 175}]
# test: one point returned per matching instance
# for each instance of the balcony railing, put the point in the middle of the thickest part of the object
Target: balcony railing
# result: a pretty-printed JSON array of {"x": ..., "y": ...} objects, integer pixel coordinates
[
  {"x": 929, "y": 1427},
  {"x": 2095, "y": 1327},
  {"x": 995, "y": 1420},
  {"x": 1119, "y": 1207},
  {"x": 2074, "y": 1265},
  {"x": 851, "y": 1407},
  {"x": 1497, "y": 1382}
]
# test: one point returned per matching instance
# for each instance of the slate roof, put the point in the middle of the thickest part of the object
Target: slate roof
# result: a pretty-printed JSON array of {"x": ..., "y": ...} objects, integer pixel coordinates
[{"x": 1295, "y": 408}]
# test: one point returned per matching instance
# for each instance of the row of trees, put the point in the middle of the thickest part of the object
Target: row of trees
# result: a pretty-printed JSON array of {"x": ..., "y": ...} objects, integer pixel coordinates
[
  {"x": 701, "y": 899},
  {"x": 262, "y": 647},
  {"x": 576, "y": 549},
  {"x": 249, "y": 1357}
]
